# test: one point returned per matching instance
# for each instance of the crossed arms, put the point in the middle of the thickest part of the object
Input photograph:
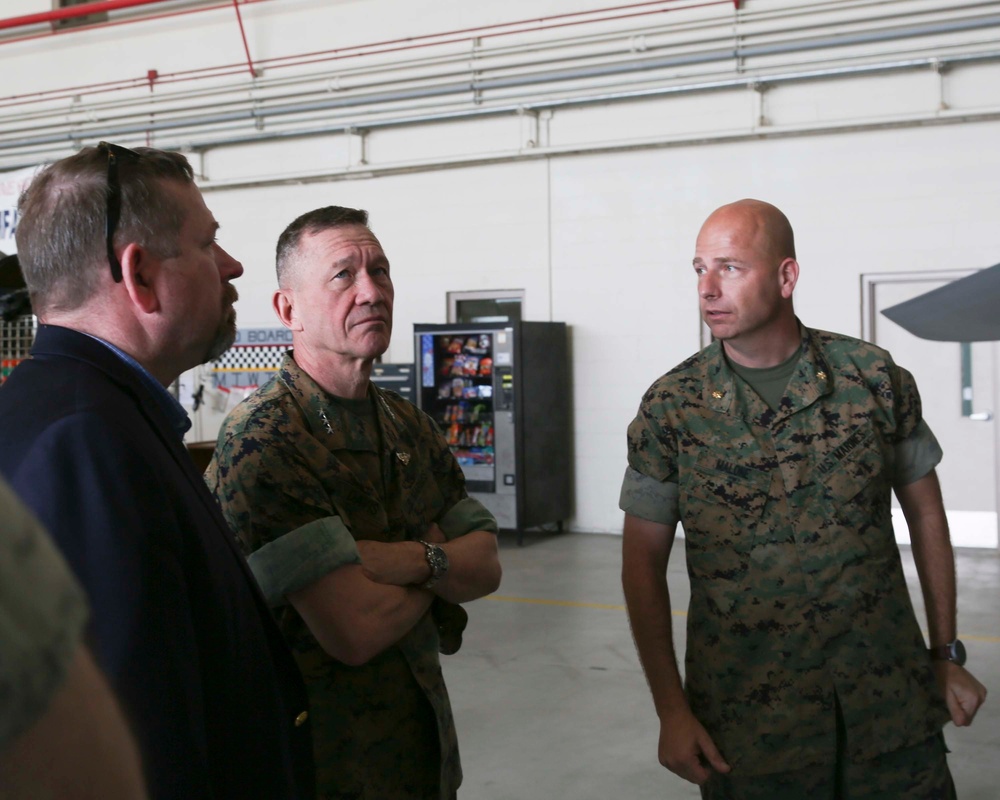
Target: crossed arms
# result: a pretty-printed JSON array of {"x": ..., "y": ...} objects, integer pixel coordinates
[{"x": 358, "y": 610}]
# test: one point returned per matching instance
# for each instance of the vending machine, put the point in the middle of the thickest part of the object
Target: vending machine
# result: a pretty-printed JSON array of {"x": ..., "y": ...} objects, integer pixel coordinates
[{"x": 501, "y": 394}]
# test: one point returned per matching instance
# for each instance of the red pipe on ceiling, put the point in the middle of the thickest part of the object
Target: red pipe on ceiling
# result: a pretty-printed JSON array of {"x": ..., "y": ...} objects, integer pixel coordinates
[
  {"x": 128, "y": 21},
  {"x": 74, "y": 11},
  {"x": 385, "y": 46},
  {"x": 243, "y": 33}
]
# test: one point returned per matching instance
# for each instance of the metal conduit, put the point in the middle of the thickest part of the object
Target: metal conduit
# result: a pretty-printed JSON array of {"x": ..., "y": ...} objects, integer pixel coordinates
[
  {"x": 611, "y": 97},
  {"x": 551, "y": 76},
  {"x": 800, "y": 9},
  {"x": 771, "y": 79},
  {"x": 723, "y": 52},
  {"x": 365, "y": 172}
]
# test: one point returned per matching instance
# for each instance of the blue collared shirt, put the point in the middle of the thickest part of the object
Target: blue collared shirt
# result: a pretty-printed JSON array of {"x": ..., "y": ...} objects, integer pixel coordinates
[{"x": 179, "y": 419}]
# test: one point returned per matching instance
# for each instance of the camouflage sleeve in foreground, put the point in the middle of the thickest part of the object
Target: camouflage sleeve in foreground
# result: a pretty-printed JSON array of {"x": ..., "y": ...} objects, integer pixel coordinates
[{"x": 42, "y": 615}]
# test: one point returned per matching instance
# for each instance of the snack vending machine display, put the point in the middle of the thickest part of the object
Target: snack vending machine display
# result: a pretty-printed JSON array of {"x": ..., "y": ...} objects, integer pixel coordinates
[{"x": 500, "y": 395}]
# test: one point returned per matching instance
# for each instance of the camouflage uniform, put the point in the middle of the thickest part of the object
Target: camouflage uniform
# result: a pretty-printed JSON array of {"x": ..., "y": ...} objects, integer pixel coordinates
[
  {"x": 42, "y": 616},
  {"x": 797, "y": 591},
  {"x": 300, "y": 478}
]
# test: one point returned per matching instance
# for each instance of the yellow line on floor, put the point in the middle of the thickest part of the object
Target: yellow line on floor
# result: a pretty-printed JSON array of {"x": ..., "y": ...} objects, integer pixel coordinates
[{"x": 538, "y": 601}]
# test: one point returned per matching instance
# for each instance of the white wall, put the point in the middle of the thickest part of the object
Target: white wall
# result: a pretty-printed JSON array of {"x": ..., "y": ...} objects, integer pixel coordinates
[
  {"x": 623, "y": 239},
  {"x": 600, "y": 235},
  {"x": 614, "y": 236}
]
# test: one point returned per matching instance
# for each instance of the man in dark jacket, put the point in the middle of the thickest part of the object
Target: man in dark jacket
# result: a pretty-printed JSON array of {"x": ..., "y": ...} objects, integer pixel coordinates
[{"x": 120, "y": 256}]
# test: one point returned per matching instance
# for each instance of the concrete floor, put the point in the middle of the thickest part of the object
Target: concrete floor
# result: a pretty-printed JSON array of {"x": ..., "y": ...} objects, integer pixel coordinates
[{"x": 551, "y": 703}]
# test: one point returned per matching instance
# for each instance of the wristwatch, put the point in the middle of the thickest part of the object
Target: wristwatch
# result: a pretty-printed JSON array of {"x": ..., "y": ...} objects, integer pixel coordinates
[
  {"x": 437, "y": 560},
  {"x": 953, "y": 651}
]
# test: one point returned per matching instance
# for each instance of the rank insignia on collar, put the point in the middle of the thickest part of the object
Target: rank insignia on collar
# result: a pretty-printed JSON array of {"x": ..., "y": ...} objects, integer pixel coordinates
[
  {"x": 717, "y": 395},
  {"x": 326, "y": 421},
  {"x": 404, "y": 457},
  {"x": 821, "y": 375}
]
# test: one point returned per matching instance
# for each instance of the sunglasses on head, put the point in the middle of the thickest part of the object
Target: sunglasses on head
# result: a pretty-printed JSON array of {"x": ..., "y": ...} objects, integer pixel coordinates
[{"x": 114, "y": 209}]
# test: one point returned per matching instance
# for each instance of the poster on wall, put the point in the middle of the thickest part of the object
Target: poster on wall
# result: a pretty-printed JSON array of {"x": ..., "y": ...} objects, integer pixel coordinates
[
  {"x": 11, "y": 185},
  {"x": 211, "y": 391}
]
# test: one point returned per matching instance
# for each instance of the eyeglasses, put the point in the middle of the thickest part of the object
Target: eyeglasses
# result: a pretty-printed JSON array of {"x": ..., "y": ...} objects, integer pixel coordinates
[{"x": 114, "y": 211}]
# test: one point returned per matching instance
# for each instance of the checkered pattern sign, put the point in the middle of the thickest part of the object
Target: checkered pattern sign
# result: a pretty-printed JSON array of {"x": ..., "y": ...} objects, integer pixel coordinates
[{"x": 254, "y": 357}]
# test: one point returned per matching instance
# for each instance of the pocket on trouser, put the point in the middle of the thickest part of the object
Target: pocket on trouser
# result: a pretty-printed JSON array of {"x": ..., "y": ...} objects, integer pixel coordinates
[
  {"x": 911, "y": 773},
  {"x": 810, "y": 783}
]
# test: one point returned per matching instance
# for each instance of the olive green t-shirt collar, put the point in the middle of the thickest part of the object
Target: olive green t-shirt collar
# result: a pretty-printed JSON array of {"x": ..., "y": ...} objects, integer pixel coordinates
[
  {"x": 769, "y": 382},
  {"x": 357, "y": 429},
  {"x": 811, "y": 378}
]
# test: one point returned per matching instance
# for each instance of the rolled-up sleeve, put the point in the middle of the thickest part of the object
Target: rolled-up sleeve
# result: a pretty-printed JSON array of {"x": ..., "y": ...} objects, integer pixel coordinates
[
  {"x": 649, "y": 499},
  {"x": 43, "y": 612},
  {"x": 301, "y": 557},
  {"x": 465, "y": 516},
  {"x": 916, "y": 455}
]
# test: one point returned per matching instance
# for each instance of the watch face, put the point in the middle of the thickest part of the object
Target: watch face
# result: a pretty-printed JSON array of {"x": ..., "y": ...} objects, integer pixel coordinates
[
  {"x": 958, "y": 652},
  {"x": 438, "y": 559}
]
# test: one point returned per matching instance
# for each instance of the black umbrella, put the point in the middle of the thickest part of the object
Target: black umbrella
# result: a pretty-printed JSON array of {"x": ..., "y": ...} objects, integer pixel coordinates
[
  {"x": 14, "y": 300},
  {"x": 10, "y": 273},
  {"x": 966, "y": 310}
]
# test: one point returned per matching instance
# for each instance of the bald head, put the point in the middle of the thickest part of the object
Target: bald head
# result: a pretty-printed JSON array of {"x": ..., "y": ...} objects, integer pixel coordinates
[
  {"x": 746, "y": 267},
  {"x": 759, "y": 226}
]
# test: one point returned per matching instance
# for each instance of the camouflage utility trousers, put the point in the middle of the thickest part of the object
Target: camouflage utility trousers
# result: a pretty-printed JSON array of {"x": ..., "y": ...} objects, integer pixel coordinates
[{"x": 913, "y": 773}]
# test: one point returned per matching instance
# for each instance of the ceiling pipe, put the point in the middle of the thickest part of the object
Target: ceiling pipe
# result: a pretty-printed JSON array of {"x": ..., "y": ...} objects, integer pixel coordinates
[
  {"x": 460, "y": 87},
  {"x": 367, "y": 171},
  {"x": 319, "y": 56},
  {"x": 163, "y": 79},
  {"x": 748, "y": 80},
  {"x": 114, "y": 23},
  {"x": 376, "y": 48},
  {"x": 58, "y": 14},
  {"x": 401, "y": 45}
]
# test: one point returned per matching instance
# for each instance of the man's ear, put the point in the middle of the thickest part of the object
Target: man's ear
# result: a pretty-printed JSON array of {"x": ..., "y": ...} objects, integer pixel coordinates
[
  {"x": 788, "y": 276},
  {"x": 140, "y": 271},
  {"x": 283, "y": 302}
]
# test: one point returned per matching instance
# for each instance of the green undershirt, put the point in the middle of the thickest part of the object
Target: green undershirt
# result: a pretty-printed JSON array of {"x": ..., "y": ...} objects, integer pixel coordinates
[{"x": 769, "y": 382}]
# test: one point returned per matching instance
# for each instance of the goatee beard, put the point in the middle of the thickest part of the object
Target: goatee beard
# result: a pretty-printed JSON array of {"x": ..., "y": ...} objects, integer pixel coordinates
[{"x": 226, "y": 333}]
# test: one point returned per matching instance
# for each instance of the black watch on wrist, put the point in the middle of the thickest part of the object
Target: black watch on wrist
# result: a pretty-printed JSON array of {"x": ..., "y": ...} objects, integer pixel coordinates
[
  {"x": 953, "y": 651},
  {"x": 437, "y": 560}
]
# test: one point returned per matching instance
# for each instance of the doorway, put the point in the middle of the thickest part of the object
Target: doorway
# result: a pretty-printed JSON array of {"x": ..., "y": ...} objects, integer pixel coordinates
[
  {"x": 473, "y": 308},
  {"x": 960, "y": 399}
]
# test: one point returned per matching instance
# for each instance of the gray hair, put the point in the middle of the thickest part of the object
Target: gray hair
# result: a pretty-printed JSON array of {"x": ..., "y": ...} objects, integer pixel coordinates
[
  {"x": 61, "y": 233},
  {"x": 312, "y": 222}
]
